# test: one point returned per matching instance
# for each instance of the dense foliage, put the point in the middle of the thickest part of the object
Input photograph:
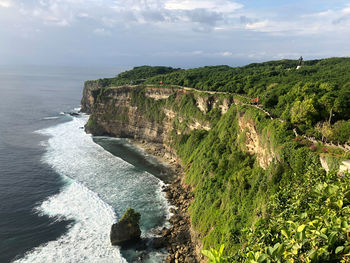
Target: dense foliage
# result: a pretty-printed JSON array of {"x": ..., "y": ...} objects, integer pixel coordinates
[
  {"x": 292, "y": 211},
  {"x": 150, "y": 108},
  {"x": 318, "y": 92},
  {"x": 136, "y": 75},
  {"x": 314, "y": 98},
  {"x": 223, "y": 174},
  {"x": 309, "y": 222}
]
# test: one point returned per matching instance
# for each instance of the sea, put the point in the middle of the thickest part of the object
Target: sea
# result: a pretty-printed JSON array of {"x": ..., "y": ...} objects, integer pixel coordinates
[{"x": 60, "y": 188}]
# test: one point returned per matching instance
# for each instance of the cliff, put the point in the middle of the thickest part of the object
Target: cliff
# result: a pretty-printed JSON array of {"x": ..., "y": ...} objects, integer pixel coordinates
[
  {"x": 148, "y": 113},
  {"x": 238, "y": 160}
]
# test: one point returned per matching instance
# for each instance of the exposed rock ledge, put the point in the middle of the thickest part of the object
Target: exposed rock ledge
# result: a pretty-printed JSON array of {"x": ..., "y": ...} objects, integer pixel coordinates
[{"x": 254, "y": 144}]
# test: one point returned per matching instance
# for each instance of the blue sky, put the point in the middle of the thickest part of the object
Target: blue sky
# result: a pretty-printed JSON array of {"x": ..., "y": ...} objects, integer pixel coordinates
[{"x": 181, "y": 33}]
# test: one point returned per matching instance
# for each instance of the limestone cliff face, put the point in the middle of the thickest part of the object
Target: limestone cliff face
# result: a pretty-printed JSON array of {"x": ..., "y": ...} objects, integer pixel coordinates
[
  {"x": 112, "y": 113},
  {"x": 254, "y": 144},
  {"x": 129, "y": 111},
  {"x": 332, "y": 163},
  {"x": 159, "y": 93},
  {"x": 153, "y": 113},
  {"x": 89, "y": 95}
]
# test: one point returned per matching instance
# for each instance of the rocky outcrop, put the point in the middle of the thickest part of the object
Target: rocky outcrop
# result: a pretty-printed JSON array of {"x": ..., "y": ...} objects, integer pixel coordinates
[
  {"x": 159, "y": 93},
  {"x": 127, "y": 230},
  {"x": 207, "y": 101},
  {"x": 344, "y": 167},
  {"x": 224, "y": 106},
  {"x": 125, "y": 112},
  {"x": 334, "y": 163},
  {"x": 90, "y": 93},
  {"x": 254, "y": 144},
  {"x": 324, "y": 163},
  {"x": 114, "y": 114},
  {"x": 203, "y": 104}
]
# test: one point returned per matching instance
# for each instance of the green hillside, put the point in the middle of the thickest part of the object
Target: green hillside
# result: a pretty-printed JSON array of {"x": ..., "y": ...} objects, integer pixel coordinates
[
  {"x": 314, "y": 98},
  {"x": 292, "y": 210}
]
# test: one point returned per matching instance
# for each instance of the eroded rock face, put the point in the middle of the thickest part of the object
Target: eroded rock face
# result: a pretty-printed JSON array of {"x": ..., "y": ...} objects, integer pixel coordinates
[
  {"x": 159, "y": 93},
  {"x": 89, "y": 96},
  {"x": 115, "y": 113},
  {"x": 344, "y": 167},
  {"x": 324, "y": 163},
  {"x": 202, "y": 104},
  {"x": 127, "y": 230},
  {"x": 254, "y": 144}
]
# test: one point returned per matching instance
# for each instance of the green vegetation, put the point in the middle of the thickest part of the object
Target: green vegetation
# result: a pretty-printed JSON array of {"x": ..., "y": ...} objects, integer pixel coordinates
[
  {"x": 151, "y": 108},
  {"x": 231, "y": 189},
  {"x": 215, "y": 256},
  {"x": 92, "y": 124},
  {"x": 121, "y": 115},
  {"x": 309, "y": 221},
  {"x": 338, "y": 132},
  {"x": 132, "y": 216},
  {"x": 248, "y": 209},
  {"x": 314, "y": 98},
  {"x": 317, "y": 93},
  {"x": 291, "y": 211},
  {"x": 134, "y": 76}
]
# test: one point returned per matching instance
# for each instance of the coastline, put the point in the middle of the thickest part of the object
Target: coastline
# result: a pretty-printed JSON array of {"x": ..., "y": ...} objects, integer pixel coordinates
[{"x": 179, "y": 239}]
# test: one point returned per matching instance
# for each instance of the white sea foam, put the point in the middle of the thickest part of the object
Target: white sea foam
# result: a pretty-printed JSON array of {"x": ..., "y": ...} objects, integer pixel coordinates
[
  {"x": 88, "y": 239},
  {"x": 50, "y": 118},
  {"x": 97, "y": 184},
  {"x": 43, "y": 143}
]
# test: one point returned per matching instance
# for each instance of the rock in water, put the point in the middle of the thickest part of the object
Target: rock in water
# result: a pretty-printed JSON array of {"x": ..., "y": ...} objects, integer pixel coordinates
[{"x": 127, "y": 230}]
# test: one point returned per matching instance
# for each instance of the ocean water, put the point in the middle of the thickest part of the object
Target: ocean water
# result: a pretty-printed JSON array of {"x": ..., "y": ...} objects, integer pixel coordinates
[{"x": 60, "y": 188}]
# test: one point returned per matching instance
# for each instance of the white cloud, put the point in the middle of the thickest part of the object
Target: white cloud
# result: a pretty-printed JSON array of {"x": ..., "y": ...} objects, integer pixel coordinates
[
  {"x": 83, "y": 15},
  {"x": 200, "y": 15},
  {"x": 330, "y": 21},
  {"x": 51, "y": 16},
  {"x": 102, "y": 32},
  {"x": 197, "y": 53},
  {"x": 6, "y": 3},
  {"x": 182, "y": 30},
  {"x": 257, "y": 25},
  {"x": 57, "y": 21},
  {"x": 226, "y": 54},
  {"x": 214, "y": 5},
  {"x": 175, "y": 53}
]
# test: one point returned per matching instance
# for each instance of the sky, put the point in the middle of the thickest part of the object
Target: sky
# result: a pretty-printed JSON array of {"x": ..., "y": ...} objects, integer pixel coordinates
[{"x": 180, "y": 33}]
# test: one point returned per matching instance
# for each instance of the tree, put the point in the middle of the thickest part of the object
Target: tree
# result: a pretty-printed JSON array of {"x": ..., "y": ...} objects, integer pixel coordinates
[
  {"x": 303, "y": 112},
  {"x": 325, "y": 129},
  {"x": 341, "y": 131},
  {"x": 342, "y": 104},
  {"x": 327, "y": 101}
]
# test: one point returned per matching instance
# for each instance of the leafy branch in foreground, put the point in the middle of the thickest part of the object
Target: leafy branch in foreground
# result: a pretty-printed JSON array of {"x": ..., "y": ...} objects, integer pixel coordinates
[
  {"x": 215, "y": 256},
  {"x": 309, "y": 223}
]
